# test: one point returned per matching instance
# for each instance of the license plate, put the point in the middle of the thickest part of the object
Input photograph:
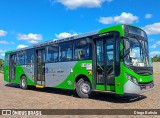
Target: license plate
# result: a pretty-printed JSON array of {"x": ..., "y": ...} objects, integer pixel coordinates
[{"x": 147, "y": 86}]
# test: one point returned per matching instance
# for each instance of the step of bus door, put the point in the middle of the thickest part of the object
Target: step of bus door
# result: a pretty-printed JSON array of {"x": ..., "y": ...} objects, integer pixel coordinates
[{"x": 39, "y": 86}]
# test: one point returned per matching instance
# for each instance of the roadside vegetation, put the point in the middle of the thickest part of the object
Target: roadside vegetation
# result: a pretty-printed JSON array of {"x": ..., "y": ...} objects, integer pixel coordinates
[
  {"x": 1, "y": 65},
  {"x": 156, "y": 58}
]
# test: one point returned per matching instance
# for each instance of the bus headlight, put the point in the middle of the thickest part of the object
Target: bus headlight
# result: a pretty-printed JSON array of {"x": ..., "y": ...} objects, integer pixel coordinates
[
  {"x": 135, "y": 80},
  {"x": 131, "y": 78}
]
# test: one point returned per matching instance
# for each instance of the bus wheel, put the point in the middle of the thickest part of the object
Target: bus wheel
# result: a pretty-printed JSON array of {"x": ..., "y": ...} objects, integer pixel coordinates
[
  {"x": 83, "y": 88},
  {"x": 23, "y": 83}
]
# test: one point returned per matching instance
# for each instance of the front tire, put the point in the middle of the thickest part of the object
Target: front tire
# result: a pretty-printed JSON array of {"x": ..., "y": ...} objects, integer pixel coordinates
[
  {"x": 83, "y": 88},
  {"x": 23, "y": 83}
]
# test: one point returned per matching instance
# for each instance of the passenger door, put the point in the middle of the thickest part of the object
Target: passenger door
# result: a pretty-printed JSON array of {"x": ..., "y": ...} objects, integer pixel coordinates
[
  {"x": 12, "y": 69},
  {"x": 105, "y": 62},
  {"x": 40, "y": 67}
]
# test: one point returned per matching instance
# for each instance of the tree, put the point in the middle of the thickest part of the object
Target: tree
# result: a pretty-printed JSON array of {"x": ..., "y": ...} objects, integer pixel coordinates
[
  {"x": 156, "y": 58},
  {"x": 1, "y": 63}
]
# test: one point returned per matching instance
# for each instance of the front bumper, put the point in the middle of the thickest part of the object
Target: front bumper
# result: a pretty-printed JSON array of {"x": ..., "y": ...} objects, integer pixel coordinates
[{"x": 131, "y": 87}]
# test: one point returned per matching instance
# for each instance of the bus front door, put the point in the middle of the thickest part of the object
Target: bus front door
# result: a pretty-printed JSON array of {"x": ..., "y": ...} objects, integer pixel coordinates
[
  {"x": 104, "y": 64},
  {"x": 40, "y": 67},
  {"x": 12, "y": 67}
]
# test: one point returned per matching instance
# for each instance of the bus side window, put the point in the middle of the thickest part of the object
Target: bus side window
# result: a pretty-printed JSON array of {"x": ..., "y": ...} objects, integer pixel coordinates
[
  {"x": 81, "y": 55},
  {"x": 82, "y": 49},
  {"x": 29, "y": 58},
  {"x": 65, "y": 51},
  {"x": 21, "y": 58},
  {"x": 52, "y": 53}
]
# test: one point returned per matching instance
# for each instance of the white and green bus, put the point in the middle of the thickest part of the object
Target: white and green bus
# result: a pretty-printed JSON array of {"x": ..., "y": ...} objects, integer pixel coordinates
[{"x": 112, "y": 59}]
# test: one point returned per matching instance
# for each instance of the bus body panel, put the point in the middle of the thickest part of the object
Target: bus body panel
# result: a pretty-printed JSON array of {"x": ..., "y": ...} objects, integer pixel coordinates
[
  {"x": 28, "y": 70},
  {"x": 20, "y": 71},
  {"x": 6, "y": 73},
  {"x": 118, "y": 28},
  {"x": 56, "y": 73},
  {"x": 80, "y": 68}
]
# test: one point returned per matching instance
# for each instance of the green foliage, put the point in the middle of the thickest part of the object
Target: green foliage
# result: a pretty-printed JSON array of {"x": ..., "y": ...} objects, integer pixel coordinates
[
  {"x": 1, "y": 64},
  {"x": 156, "y": 58}
]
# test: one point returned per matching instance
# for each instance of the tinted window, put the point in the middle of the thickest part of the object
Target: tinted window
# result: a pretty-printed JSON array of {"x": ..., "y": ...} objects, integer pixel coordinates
[
  {"x": 29, "y": 58},
  {"x": 110, "y": 51},
  {"x": 82, "y": 49},
  {"x": 7, "y": 59},
  {"x": 52, "y": 53},
  {"x": 65, "y": 51},
  {"x": 20, "y": 58},
  {"x": 100, "y": 61},
  {"x": 41, "y": 56}
]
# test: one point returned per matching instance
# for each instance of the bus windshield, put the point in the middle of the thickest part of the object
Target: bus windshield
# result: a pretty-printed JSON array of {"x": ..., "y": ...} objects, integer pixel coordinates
[{"x": 138, "y": 53}]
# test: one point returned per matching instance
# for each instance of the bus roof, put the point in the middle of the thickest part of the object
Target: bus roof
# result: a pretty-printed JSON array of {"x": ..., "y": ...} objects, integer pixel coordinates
[{"x": 104, "y": 30}]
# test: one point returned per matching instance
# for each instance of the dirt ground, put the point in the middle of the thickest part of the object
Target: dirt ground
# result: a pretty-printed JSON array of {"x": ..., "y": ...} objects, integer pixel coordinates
[{"x": 12, "y": 97}]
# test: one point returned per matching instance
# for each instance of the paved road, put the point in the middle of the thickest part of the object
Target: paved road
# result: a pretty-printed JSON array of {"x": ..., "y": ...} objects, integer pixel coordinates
[{"x": 11, "y": 96}]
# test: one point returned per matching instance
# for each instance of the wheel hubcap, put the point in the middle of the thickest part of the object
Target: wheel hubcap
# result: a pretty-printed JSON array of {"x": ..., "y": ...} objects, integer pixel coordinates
[
  {"x": 85, "y": 88},
  {"x": 23, "y": 83}
]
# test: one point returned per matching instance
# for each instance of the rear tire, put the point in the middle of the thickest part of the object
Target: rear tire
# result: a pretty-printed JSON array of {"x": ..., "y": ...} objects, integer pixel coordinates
[
  {"x": 83, "y": 88},
  {"x": 23, "y": 83}
]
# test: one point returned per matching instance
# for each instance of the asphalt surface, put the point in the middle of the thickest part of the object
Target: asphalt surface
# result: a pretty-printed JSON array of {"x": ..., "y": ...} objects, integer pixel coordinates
[{"x": 12, "y": 97}]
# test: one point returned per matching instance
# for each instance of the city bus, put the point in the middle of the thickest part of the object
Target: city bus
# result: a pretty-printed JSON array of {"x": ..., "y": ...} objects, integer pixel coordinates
[{"x": 114, "y": 59}]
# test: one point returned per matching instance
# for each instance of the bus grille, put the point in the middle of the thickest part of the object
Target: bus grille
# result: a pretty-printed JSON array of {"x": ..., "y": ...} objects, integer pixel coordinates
[{"x": 144, "y": 71}]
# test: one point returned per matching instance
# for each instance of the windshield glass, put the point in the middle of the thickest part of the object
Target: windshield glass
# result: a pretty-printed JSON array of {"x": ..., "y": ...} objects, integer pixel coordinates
[{"x": 138, "y": 53}]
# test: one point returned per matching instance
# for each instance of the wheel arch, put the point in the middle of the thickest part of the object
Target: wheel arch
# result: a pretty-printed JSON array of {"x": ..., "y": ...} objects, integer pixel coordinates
[
  {"x": 79, "y": 77},
  {"x": 22, "y": 76}
]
